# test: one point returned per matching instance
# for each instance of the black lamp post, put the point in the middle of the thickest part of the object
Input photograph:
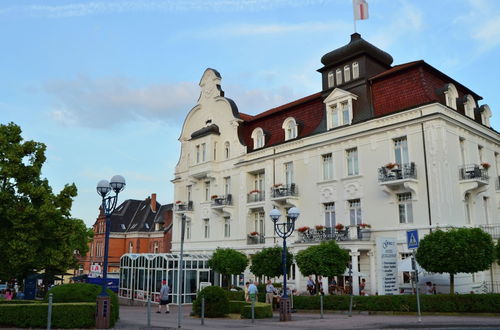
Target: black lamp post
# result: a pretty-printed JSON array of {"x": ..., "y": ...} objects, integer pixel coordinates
[
  {"x": 117, "y": 184},
  {"x": 284, "y": 230}
]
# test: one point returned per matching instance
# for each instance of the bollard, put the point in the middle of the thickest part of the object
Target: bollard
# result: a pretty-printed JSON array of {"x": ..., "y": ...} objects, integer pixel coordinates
[
  {"x": 49, "y": 313},
  {"x": 202, "y": 310},
  {"x": 149, "y": 312},
  {"x": 321, "y": 305},
  {"x": 253, "y": 310}
]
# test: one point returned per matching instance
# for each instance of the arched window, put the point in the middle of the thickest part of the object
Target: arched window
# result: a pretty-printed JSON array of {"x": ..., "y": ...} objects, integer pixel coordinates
[
  {"x": 485, "y": 115},
  {"x": 331, "y": 81},
  {"x": 258, "y": 138},
  {"x": 469, "y": 106},
  {"x": 451, "y": 95},
  {"x": 347, "y": 73},
  {"x": 290, "y": 127},
  {"x": 338, "y": 76},
  {"x": 227, "y": 151},
  {"x": 355, "y": 70}
]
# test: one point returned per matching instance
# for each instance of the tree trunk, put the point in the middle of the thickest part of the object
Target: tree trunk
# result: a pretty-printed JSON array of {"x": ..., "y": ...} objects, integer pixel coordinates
[
  {"x": 452, "y": 284},
  {"x": 317, "y": 285}
]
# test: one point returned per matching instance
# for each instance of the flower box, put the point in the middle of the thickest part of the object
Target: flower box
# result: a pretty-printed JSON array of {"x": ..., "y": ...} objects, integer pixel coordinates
[
  {"x": 319, "y": 227},
  {"x": 339, "y": 226},
  {"x": 178, "y": 202},
  {"x": 364, "y": 225},
  {"x": 390, "y": 166},
  {"x": 214, "y": 196},
  {"x": 485, "y": 165},
  {"x": 303, "y": 229},
  {"x": 254, "y": 233},
  {"x": 277, "y": 185},
  {"x": 255, "y": 191}
]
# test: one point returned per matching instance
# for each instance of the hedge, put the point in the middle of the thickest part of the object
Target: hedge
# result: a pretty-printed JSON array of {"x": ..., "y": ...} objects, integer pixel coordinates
[
  {"x": 235, "y": 306},
  {"x": 261, "y": 311},
  {"x": 216, "y": 302},
  {"x": 235, "y": 295},
  {"x": 23, "y": 302},
  {"x": 84, "y": 292},
  {"x": 468, "y": 303},
  {"x": 64, "y": 315}
]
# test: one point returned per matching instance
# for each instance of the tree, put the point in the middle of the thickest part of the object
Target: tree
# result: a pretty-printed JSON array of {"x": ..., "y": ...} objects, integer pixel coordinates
[
  {"x": 268, "y": 262},
  {"x": 497, "y": 251},
  {"x": 228, "y": 262},
  {"x": 325, "y": 259},
  {"x": 462, "y": 250},
  {"x": 37, "y": 232}
]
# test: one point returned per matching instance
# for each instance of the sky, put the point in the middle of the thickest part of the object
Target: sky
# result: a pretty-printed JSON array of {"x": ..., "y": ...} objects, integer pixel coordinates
[{"x": 107, "y": 84}]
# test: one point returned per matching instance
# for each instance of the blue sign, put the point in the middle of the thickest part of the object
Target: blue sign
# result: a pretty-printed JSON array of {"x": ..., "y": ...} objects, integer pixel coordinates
[
  {"x": 112, "y": 283},
  {"x": 412, "y": 239}
]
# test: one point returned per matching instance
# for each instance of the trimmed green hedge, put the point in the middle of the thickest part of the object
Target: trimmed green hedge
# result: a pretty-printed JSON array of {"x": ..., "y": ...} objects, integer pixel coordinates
[
  {"x": 216, "y": 302},
  {"x": 468, "y": 303},
  {"x": 235, "y": 295},
  {"x": 261, "y": 311},
  {"x": 22, "y": 302},
  {"x": 235, "y": 306},
  {"x": 84, "y": 292},
  {"x": 64, "y": 315}
]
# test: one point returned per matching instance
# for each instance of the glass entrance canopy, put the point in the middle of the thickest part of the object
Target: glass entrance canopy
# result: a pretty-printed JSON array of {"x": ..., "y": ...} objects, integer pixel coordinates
[{"x": 141, "y": 276}]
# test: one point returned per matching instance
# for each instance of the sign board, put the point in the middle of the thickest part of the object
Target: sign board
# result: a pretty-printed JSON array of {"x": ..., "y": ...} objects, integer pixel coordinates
[
  {"x": 412, "y": 239},
  {"x": 387, "y": 266},
  {"x": 112, "y": 283},
  {"x": 95, "y": 270}
]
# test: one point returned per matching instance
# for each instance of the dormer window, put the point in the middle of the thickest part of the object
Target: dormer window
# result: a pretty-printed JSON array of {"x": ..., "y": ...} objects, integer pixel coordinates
[
  {"x": 331, "y": 81},
  {"x": 338, "y": 75},
  {"x": 339, "y": 108},
  {"x": 469, "y": 106},
  {"x": 355, "y": 70},
  {"x": 347, "y": 73},
  {"x": 485, "y": 115},
  {"x": 451, "y": 95},
  {"x": 258, "y": 138},
  {"x": 290, "y": 127}
]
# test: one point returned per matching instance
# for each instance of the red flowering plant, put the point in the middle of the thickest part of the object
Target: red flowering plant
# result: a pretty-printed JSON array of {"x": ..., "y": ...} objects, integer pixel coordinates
[
  {"x": 214, "y": 196},
  {"x": 276, "y": 185},
  {"x": 254, "y": 233},
  {"x": 255, "y": 191},
  {"x": 178, "y": 202},
  {"x": 303, "y": 229},
  {"x": 485, "y": 165},
  {"x": 364, "y": 225},
  {"x": 339, "y": 226},
  {"x": 319, "y": 227},
  {"x": 390, "y": 166}
]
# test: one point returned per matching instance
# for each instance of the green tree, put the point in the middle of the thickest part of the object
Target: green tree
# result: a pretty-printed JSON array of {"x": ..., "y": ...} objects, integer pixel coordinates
[
  {"x": 37, "y": 232},
  {"x": 325, "y": 259},
  {"x": 459, "y": 250},
  {"x": 268, "y": 262},
  {"x": 497, "y": 251},
  {"x": 228, "y": 262}
]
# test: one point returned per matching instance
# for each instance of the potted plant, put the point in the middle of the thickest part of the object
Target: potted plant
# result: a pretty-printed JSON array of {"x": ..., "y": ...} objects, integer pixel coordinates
[
  {"x": 277, "y": 185},
  {"x": 339, "y": 227},
  {"x": 303, "y": 229},
  {"x": 178, "y": 202},
  {"x": 320, "y": 227},
  {"x": 485, "y": 165},
  {"x": 254, "y": 233},
  {"x": 214, "y": 196},
  {"x": 255, "y": 191},
  {"x": 364, "y": 226},
  {"x": 390, "y": 166}
]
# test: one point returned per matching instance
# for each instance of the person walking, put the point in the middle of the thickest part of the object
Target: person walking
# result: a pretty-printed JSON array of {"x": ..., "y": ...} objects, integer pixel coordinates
[
  {"x": 252, "y": 291},
  {"x": 270, "y": 291},
  {"x": 428, "y": 288},
  {"x": 164, "y": 297}
]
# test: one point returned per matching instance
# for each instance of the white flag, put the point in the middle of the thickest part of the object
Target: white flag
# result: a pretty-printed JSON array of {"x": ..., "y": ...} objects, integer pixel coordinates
[{"x": 360, "y": 9}]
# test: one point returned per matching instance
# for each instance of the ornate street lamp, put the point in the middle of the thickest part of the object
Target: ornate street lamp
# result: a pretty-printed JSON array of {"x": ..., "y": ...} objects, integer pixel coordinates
[
  {"x": 284, "y": 230},
  {"x": 117, "y": 184}
]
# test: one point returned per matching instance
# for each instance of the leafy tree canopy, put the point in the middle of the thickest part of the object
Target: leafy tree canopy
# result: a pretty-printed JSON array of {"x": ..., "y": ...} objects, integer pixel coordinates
[
  {"x": 37, "y": 232},
  {"x": 325, "y": 259},
  {"x": 268, "y": 262},
  {"x": 228, "y": 261}
]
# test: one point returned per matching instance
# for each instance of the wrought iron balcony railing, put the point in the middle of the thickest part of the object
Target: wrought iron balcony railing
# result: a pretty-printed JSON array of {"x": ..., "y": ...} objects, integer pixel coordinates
[
  {"x": 397, "y": 172},
  {"x": 326, "y": 234},
  {"x": 256, "y": 239},
  {"x": 473, "y": 172},
  {"x": 222, "y": 200},
  {"x": 183, "y": 207},
  {"x": 254, "y": 197},
  {"x": 284, "y": 190}
]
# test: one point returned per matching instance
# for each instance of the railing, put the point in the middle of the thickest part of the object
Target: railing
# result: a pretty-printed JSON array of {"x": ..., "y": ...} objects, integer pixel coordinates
[
  {"x": 182, "y": 207},
  {"x": 403, "y": 171},
  {"x": 255, "y": 239},
  {"x": 222, "y": 200},
  {"x": 326, "y": 234},
  {"x": 256, "y": 197},
  {"x": 492, "y": 287},
  {"x": 284, "y": 190},
  {"x": 492, "y": 229},
  {"x": 473, "y": 172}
]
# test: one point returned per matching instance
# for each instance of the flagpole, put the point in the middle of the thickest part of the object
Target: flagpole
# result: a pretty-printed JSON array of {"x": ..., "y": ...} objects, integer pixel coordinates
[{"x": 354, "y": 16}]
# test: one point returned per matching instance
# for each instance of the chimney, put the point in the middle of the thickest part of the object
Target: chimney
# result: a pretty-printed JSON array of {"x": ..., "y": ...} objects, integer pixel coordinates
[{"x": 153, "y": 202}]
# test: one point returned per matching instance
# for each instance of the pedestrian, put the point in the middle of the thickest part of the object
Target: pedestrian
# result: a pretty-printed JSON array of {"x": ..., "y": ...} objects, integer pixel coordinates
[
  {"x": 8, "y": 294},
  {"x": 164, "y": 297},
  {"x": 428, "y": 288},
  {"x": 270, "y": 291},
  {"x": 311, "y": 286},
  {"x": 362, "y": 287},
  {"x": 252, "y": 291},
  {"x": 247, "y": 297},
  {"x": 434, "y": 290}
]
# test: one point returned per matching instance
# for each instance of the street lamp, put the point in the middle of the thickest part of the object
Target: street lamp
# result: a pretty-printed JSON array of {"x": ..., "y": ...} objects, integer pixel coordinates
[
  {"x": 284, "y": 230},
  {"x": 104, "y": 187}
]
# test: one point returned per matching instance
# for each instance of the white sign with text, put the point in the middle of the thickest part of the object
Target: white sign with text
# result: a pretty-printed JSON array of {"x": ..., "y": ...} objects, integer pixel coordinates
[{"x": 387, "y": 266}]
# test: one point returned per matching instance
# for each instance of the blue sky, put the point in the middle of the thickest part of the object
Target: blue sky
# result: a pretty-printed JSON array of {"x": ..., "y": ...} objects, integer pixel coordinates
[{"x": 106, "y": 84}]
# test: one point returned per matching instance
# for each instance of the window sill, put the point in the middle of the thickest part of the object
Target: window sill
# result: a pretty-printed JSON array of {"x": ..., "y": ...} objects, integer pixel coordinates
[
  {"x": 326, "y": 181},
  {"x": 351, "y": 177}
]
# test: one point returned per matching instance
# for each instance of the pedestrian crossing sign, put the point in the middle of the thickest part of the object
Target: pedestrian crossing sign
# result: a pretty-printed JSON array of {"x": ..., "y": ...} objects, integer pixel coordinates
[{"x": 412, "y": 239}]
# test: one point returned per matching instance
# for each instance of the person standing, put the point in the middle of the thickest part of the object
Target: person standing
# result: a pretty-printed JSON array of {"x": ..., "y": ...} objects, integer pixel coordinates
[
  {"x": 8, "y": 295},
  {"x": 164, "y": 297},
  {"x": 252, "y": 291},
  {"x": 247, "y": 297},
  {"x": 311, "y": 286},
  {"x": 428, "y": 288},
  {"x": 362, "y": 287},
  {"x": 270, "y": 290}
]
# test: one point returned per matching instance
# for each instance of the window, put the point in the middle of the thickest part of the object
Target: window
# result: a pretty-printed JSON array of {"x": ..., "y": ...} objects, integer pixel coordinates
[
  {"x": 206, "y": 228},
  {"x": 189, "y": 192},
  {"x": 130, "y": 247},
  {"x": 207, "y": 190},
  {"x": 339, "y": 108},
  {"x": 327, "y": 166},
  {"x": 485, "y": 114},
  {"x": 227, "y": 227},
  {"x": 258, "y": 182},
  {"x": 469, "y": 106},
  {"x": 288, "y": 173},
  {"x": 335, "y": 115},
  {"x": 338, "y": 76},
  {"x": 346, "y": 119},
  {"x": 155, "y": 247},
  {"x": 227, "y": 153},
  {"x": 486, "y": 208},
  {"x": 188, "y": 229},
  {"x": 480, "y": 153},
  {"x": 347, "y": 73},
  {"x": 405, "y": 208},
  {"x": 227, "y": 185},
  {"x": 259, "y": 222},
  {"x": 355, "y": 70},
  {"x": 203, "y": 152},
  {"x": 462, "y": 150},
  {"x": 215, "y": 150},
  {"x": 355, "y": 212},
  {"x": 330, "y": 215},
  {"x": 331, "y": 81},
  {"x": 451, "y": 95},
  {"x": 352, "y": 161},
  {"x": 122, "y": 226},
  {"x": 258, "y": 138},
  {"x": 197, "y": 154},
  {"x": 401, "y": 151},
  {"x": 290, "y": 127}
]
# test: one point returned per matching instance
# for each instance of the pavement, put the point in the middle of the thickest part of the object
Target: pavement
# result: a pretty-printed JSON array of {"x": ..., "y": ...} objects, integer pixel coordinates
[{"x": 135, "y": 317}]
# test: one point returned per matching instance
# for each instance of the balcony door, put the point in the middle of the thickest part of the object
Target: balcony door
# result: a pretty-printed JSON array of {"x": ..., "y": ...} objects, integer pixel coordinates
[{"x": 401, "y": 151}]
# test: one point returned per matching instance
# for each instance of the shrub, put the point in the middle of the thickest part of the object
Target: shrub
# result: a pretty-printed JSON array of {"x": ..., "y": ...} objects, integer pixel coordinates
[
  {"x": 261, "y": 311},
  {"x": 235, "y": 306},
  {"x": 64, "y": 315},
  {"x": 23, "y": 302},
  {"x": 84, "y": 292},
  {"x": 216, "y": 302},
  {"x": 235, "y": 295}
]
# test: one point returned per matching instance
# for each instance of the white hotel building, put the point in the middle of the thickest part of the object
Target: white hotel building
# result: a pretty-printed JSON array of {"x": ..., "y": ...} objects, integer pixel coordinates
[{"x": 330, "y": 155}]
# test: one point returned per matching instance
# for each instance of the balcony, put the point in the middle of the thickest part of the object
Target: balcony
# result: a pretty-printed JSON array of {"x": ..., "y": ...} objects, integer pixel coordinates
[
  {"x": 256, "y": 196},
  {"x": 221, "y": 201},
  {"x": 396, "y": 177},
  {"x": 492, "y": 229},
  {"x": 329, "y": 234},
  {"x": 183, "y": 206},
  {"x": 473, "y": 179},
  {"x": 255, "y": 239},
  {"x": 282, "y": 193}
]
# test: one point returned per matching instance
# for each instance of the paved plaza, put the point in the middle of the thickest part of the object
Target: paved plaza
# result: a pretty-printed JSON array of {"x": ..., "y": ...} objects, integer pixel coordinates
[{"x": 134, "y": 317}]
